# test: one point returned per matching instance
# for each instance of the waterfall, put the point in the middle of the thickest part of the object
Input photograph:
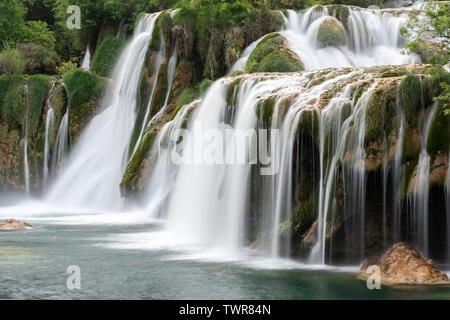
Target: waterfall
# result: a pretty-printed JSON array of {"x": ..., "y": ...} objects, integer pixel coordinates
[
  {"x": 398, "y": 171},
  {"x": 170, "y": 74},
  {"x": 158, "y": 62},
  {"x": 24, "y": 142},
  {"x": 420, "y": 196},
  {"x": 86, "y": 64},
  {"x": 49, "y": 122},
  {"x": 163, "y": 178},
  {"x": 373, "y": 39},
  {"x": 94, "y": 169},
  {"x": 61, "y": 145}
]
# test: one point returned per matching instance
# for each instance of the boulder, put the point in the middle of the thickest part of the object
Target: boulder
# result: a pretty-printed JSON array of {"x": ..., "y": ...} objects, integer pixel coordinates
[
  {"x": 331, "y": 33},
  {"x": 273, "y": 55},
  {"x": 12, "y": 224},
  {"x": 402, "y": 264}
]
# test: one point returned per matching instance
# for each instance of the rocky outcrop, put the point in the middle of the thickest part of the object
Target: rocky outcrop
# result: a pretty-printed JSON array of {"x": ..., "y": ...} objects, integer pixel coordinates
[
  {"x": 331, "y": 33},
  {"x": 402, "y": 264},
  {"x": 12, "y": 225}
]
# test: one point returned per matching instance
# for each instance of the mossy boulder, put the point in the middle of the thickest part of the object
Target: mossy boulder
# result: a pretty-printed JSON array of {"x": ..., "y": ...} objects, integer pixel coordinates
[
  {"x": 273, "y": 55},
  {"x": 331, "y": 33}
]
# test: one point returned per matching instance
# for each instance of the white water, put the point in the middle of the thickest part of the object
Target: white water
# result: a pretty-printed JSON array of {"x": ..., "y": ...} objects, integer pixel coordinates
[
  {"x": 26, "y": 168},
  {"x": 373, "y": 35},
  {"x": 163, "y": 178},
  {"x": 61, "y": 146},
  {"x": 422, "y": 186},
  {"x": 86, "y": 63},
  {"x": 49, "y": 123},
  {"x": 93, "y": 172}
]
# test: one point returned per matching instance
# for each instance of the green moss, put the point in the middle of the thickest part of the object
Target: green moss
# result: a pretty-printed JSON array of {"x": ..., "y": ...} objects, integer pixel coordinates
[
  {"x": 392, "y": 74},
  {"x": 331, "y": 33},
  {"x": 83, "y": 86},
  {"x": 232, "y": 91},
  {"x": 271, "y": 55},
  {"x": 106, "y": 55},
  {"x": 411, "y": 94}
]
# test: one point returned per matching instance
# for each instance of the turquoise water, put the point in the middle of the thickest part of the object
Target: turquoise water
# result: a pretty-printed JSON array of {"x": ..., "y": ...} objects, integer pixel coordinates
[{"x": 33, "y": 265}]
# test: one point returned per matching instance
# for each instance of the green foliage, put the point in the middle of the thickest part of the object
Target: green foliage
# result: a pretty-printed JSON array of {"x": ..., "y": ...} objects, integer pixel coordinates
[
  {"x": 39, "y": 86},
  {"x": 411, "y": 94},
  {"x": 204, "y": 85},
  {"x": 439, "y": 136},
  {"x": 187, "y": 96},
  {"x": 11, "y": 62},
  {"x": 38, "y": 32},
  {"x": 106, "y": 55},
  {"x": 38, "y": 59},
  {"x": 66, "y": 66},
  {"x": 434, "y": 23},
  {"x": 83, "y": 86},
  {"x": 331, "y": 33},
  {"x": 14, "y": 101},
  {"x": 11, "y": 22}
]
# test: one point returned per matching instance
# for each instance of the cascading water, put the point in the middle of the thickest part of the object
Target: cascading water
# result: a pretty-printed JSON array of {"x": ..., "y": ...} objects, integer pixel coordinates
[
  {"x": 24, "y": 142},
  {"x": 93, "y": 172},
  {"x": 162, "y": 180},
  {"x": 49, "y": 122},
  {"x": 61, "y": 146},
  {"x": 373, "y": 39},
  {"x": 419, "y": 198},
  {"x": 86, "y": 63}
]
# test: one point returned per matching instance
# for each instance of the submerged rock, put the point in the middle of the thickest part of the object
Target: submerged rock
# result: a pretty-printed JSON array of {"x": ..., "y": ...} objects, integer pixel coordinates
[
  {"x": 402, "y": 264},
  {"x": 331, "y": 33},
  {"x": 12, "y": 224}
]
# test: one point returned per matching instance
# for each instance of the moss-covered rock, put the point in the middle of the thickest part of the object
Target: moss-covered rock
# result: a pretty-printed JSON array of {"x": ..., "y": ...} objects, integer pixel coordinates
[
  {"x": 331, "y": 33},
  {"x": 273, "y": 55}
]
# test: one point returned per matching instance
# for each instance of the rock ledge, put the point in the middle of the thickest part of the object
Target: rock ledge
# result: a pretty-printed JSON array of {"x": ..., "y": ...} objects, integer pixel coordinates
[{"x": 12, "y": 224}]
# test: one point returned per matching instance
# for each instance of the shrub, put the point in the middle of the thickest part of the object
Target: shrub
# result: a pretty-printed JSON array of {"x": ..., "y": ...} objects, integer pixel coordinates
[
  {"x": 39, "y": 86},
  {"x": 187, "y": 96},
  {"x": 38, "y": 32},
  {"x": 83, "y": 86},
  {"x": 38, "y": 59},
  {"x": 105, "y": 56},
  {"x": 66, "y": 66},
  {"x": 204, "y": 85},
  {"x": 11, "y": 62}
]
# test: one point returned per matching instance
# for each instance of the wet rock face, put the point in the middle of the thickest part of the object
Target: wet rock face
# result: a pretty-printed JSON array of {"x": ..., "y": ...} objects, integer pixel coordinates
[
  {"x": 331, "y": 33},
  {"x": 12, "y": 224},
  {"x": 402, "y": 264}
]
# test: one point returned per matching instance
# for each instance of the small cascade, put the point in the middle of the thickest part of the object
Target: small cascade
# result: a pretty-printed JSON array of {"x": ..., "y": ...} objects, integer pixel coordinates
[
  {"x": 345, "y": 132},
  {"x": 398, "y": 171},
  {"x": 61, "y": 144},
  {"x": 170, "y": 74},
  {"x": 92, "y": 174},
  {"x": 49, "y": 123},
  {"x": 162, "y": 180},
  {"x": 420, "y": 196},
  {"x": 86, "y": 63},
  {"x": 26, "y": 168},
  {"x": 157, "y": 64}
]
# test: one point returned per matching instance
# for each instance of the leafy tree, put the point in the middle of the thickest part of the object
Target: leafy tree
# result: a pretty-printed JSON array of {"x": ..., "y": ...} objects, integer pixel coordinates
[
  {"x": 38, "y": 32},
  {"x": 11, "y": 62},
  {"x": 430, "y": 34},
  {"x": 11, "y": 22}
]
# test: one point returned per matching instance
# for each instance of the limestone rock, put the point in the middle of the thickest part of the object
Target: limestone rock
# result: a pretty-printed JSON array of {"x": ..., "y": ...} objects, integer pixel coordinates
[
  {"x": 402, "y": 264},
  {"x": 12, "y": 224}
]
